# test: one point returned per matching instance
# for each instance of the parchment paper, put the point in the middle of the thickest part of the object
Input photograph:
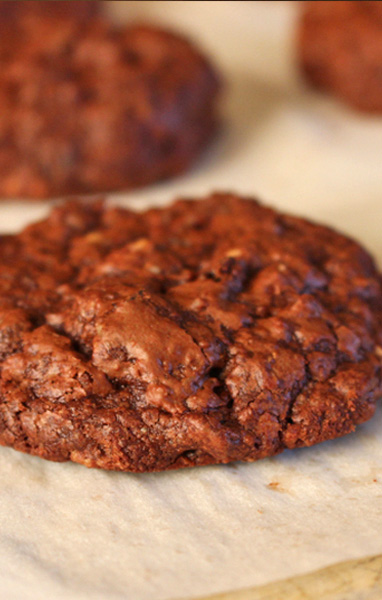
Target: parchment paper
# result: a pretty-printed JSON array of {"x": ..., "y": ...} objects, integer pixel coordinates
[{"x": 67, "y": 532}]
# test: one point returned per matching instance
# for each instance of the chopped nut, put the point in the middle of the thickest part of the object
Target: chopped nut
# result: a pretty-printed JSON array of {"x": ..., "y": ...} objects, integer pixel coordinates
[
  {"x": 140, "y": 244},
  {"x": 94, "y": 237},
  {"x": 154, "y": 269},
  {"x": 234, "y": 253}
]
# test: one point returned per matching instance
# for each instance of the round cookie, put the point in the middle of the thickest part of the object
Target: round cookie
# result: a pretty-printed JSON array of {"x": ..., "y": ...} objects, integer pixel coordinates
[
  {"x": 205, "y": 332},
  {"x": 87, "y": 106},
  {"x": 340, "y": 50}
]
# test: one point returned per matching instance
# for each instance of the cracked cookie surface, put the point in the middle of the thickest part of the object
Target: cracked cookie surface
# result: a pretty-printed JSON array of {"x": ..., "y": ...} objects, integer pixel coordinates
[
  {"x": 88, "y": 106},
  {"x": 205, "y": 332}
]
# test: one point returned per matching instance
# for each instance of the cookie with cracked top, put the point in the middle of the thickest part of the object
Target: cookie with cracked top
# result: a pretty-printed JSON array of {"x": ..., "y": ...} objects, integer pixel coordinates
[
  {"x": 205, "y": 332},
  {"x": 87, "y": 106},
  {"x": 340, "y": 50}
]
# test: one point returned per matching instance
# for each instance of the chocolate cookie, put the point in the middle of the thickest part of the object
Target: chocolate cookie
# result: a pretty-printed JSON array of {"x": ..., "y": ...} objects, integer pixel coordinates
[
  {"x": 87, "y": 106},
  {"x": 13, "y": 10},
  {"x": 341, "y": 51},
  {"x": 206, "y": 332}
]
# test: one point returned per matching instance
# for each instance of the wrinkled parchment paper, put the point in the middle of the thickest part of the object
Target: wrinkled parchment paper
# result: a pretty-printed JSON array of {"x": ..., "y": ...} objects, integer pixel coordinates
[{"x": 70, "y": 533}]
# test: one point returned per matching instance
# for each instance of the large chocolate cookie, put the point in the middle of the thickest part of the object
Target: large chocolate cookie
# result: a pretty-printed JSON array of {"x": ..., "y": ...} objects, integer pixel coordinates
[
  {"x": 87, "y": 106},
  {"x": 206, "y": 332},
  {"x": 340, "y": 46}
]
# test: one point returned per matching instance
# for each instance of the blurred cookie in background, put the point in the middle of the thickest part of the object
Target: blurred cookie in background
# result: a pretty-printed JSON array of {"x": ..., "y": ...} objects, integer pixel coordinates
[
  {"x": 21, "y": 9},
  {"x": 86, "y": 106},
  {"x": 340, "y": 50}
]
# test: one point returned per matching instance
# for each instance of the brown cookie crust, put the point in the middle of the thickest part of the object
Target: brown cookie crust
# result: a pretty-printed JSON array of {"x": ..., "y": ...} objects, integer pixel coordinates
[
  {"x": 206, "y": 332},
  {"x": 86, "y": 106},
  {"x": 340, "y": 50}
]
